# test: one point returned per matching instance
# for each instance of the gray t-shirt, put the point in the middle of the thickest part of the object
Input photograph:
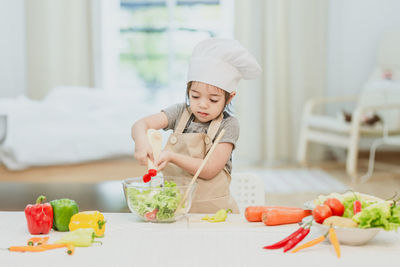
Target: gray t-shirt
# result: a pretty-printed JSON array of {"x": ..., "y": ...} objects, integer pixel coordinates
[{"x": 229, "y": 123}]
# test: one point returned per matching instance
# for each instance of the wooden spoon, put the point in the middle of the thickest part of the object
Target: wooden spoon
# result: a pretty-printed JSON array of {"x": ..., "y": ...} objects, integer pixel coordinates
[
  {"x": 200, "y": 168},
  {"x": 155, "y": 140}
]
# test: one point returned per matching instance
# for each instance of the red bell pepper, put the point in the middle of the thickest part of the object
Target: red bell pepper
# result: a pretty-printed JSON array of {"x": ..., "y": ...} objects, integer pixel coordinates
[{"x": 39, "y": 217}]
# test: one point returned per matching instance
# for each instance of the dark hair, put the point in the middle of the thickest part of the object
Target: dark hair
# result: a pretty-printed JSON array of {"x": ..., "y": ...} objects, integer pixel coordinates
[{"x": 228, "y": 107}]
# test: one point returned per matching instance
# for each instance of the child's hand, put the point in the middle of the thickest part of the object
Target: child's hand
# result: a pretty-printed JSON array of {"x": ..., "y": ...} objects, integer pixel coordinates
[
  {"x": 142, "y": 153},
  {"x": 163, "y": 159}
]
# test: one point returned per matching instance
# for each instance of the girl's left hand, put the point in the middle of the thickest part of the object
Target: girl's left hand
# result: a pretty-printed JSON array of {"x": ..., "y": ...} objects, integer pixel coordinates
[{"x": 163, "y": 159}]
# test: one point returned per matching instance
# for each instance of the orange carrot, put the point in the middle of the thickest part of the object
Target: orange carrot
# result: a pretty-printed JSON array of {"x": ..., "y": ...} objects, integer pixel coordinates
[
  {"x": 309, "y": 243},
  {"x": 277, "y": 216},
  {"x": 253, "y": 213},
  {"x": 334, "y": 240},
  {"x": 70, "y": 248},
  {"x": 37, "y": 240},
  {"x": 38, "y": 248}
]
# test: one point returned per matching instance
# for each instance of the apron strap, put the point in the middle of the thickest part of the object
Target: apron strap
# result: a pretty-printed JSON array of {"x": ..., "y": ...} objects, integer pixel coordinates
[
  {"x": 214, "y": 127},
  {"x": 183, "y": 120}
]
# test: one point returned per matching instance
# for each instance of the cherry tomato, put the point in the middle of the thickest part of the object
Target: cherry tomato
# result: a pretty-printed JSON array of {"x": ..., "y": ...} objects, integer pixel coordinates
[
  {"x": 146, "y": 178},
  {"x": 321, "y": 212},
  {"x": 151, "y": 216},
  {"x": 336, "y": 206},
  {"x": 152, "y": 172}
]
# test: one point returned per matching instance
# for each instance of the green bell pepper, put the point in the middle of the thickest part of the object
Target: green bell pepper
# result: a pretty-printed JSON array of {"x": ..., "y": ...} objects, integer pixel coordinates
[{"x": 63, "y": 209}]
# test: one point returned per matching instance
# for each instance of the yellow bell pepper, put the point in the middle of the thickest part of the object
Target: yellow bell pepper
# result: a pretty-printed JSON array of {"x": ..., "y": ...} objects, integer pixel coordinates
[
  {"x": 89, "y": 219},
  {"x": 220, "y": 216}
]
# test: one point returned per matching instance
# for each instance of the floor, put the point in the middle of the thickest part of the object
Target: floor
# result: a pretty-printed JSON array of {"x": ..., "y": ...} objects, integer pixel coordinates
[{"x": 97, "y": 185}]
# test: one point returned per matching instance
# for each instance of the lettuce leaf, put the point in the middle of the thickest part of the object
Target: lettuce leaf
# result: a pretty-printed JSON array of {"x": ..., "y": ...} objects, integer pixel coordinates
[
  {"x": 394, "y": 220},
  {"x": 376, "y": 215}
]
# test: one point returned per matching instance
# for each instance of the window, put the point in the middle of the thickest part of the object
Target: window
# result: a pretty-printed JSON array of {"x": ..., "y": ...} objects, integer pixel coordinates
[{"x": 156, "y": 39}]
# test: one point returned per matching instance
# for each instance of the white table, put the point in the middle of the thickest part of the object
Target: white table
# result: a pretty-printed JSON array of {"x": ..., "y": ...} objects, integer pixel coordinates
[{"x": 192, "y": 242}]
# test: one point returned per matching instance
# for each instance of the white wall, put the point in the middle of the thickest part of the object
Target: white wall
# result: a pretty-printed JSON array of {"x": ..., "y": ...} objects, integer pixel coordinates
[
  {"x": 12, "y": 47},
  {"x": 355, "y": 27}
]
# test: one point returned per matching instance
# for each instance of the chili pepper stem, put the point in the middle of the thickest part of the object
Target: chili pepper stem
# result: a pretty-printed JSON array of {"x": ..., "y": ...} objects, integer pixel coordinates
[{"x": 307, "y": 224}]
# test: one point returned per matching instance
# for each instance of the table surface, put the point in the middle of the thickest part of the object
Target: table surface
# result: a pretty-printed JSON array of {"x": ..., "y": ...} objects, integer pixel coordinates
[{"x": 191, "y": 242}]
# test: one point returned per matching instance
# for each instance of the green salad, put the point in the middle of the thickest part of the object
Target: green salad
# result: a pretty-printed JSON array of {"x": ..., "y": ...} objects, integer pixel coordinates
[
  {"x": 155, "y": 204},
  {"x": 375, "y": 212}
]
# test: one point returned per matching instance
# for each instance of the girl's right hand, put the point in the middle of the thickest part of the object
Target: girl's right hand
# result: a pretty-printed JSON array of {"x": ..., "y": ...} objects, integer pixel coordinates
[{"x": 142, "y": 153}]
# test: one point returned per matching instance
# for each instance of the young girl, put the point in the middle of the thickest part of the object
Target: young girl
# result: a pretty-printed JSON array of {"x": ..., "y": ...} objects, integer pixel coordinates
[{"x": 215, "y": 68}]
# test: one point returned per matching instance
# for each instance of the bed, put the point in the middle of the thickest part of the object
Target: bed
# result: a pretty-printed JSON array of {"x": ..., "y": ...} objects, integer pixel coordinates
[{"x": 72, "y": 125}]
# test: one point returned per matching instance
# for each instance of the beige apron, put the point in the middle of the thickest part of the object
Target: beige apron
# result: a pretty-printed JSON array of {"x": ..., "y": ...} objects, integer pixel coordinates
[{"x": 213, "y": 194}]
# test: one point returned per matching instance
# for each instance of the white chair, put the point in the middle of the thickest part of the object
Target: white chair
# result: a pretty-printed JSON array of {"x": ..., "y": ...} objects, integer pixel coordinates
[
  {"x": 247, "y": 189},
  {"x": 385, "y": 140},
  {"x": 381, "y": 94}
]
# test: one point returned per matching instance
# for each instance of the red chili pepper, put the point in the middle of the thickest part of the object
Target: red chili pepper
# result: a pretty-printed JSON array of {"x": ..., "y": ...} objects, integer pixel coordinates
[
  {"x": 39, "y": 217},
  {"x": 152, "y": 172},
  {"x": 285, "y": 240},
  {"x": 295, "y": 240},
  {"x": 146, "y": 178},
  {"x": 356, "y": 206}
]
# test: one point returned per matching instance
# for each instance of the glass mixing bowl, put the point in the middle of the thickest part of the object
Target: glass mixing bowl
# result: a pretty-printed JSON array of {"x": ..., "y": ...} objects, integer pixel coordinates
[{"x": 158, "y": 200}]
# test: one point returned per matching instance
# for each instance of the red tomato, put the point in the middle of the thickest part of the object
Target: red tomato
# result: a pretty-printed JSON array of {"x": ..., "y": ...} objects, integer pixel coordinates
[
  {"x": 151, "y": 215},
  {"x": 146, "y": 178},
  {"x": 336, "y": 206},
  {"x": 321, "y": 212},
  {"x": 152, "y": 172}
]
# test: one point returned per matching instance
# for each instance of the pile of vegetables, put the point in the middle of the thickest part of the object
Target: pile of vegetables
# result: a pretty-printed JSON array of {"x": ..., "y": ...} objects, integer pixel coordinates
[
  {"x": 62, "y": 215},
  {"x": 353, "y": 209},
  {"x": 155, "y": 204},
  {"x": 296, "y": 237}
]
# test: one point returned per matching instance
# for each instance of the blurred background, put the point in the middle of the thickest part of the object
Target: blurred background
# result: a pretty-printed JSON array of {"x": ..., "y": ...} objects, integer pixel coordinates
[{"x": 76, "y": 74}]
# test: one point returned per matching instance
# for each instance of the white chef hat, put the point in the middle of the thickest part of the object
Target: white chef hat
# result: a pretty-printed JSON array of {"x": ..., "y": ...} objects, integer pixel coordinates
[{"x": 222, "y": 63}]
